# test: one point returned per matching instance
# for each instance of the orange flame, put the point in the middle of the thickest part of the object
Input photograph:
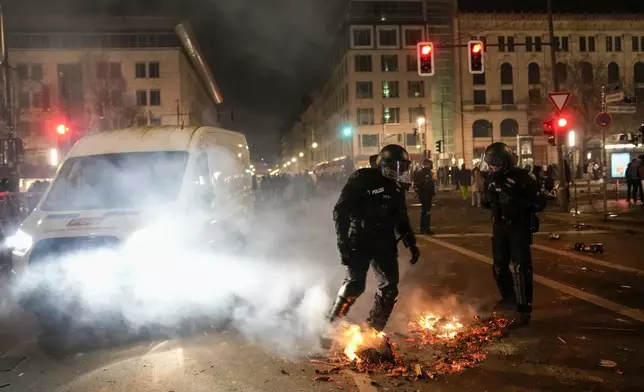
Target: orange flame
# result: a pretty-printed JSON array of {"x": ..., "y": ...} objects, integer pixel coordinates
[
  {"x": 356, "y": 339},
  {"x": 445, "y": 330}
]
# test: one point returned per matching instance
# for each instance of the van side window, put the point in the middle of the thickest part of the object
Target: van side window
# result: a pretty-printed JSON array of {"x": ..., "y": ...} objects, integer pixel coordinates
[{"x": 202, "y": 173}]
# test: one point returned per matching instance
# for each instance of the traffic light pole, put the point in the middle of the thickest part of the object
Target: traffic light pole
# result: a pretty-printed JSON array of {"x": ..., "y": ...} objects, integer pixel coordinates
[
  {"x": 604, "y": 160},
  {"x": 562, "y": 191}
]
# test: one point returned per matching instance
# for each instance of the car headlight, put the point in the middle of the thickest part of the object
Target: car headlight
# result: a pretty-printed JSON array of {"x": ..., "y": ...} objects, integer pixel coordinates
[{"x": 20, "y": 243}]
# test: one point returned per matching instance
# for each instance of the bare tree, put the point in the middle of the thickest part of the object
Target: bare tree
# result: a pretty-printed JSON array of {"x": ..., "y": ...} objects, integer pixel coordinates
[{"x": 106, "y": 103}]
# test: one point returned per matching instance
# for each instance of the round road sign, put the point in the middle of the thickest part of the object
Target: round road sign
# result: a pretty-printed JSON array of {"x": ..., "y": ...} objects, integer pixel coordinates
[{"x": 603, "y": 119}]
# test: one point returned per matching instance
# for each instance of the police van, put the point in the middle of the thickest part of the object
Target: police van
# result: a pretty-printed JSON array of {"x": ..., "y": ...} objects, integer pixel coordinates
[{"x": 106, "y": 182}]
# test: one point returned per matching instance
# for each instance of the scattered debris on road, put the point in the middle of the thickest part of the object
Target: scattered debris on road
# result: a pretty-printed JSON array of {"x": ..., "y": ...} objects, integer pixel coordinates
[
  {"x": 7, "y": 384},
  {"x": 451, "y": 347},
  {"x": 561, "y": 339},
  {"x": 554, "y": 236},
  {"x": 607, "y": 363}
]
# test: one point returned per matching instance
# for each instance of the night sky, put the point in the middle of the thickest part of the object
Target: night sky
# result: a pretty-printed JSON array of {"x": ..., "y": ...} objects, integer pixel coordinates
[{"x": 266, "y": 55}]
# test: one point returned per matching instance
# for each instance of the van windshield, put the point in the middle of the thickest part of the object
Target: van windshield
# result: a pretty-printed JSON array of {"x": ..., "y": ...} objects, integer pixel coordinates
[{"x": 115, "y": 181}]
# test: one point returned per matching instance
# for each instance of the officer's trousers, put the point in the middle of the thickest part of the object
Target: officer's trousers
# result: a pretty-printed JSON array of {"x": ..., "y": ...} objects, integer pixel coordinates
[
  {"x": 385, "y": 265},
  {"x": 511, "y": 244},
  {"x": 425, "y": 214}
]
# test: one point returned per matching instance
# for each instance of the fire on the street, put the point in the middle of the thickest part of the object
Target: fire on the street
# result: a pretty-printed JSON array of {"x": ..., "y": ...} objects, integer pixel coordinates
[{"x": 452, "y": 346}]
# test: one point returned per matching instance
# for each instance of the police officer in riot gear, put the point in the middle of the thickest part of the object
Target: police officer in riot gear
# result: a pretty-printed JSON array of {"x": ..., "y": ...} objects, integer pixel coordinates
[
  {"x": 424, "y": 184},
  {"x": 373, "y": 161},
  {"x": 371, "y": 208},
  {"x": 514, "y": 197}
]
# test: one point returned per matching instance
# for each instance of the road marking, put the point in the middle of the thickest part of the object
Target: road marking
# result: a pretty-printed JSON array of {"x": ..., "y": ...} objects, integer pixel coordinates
[
  {"x": 449, "y": 235},
  {"x": 634, "y": 314},
  {"x": 363, "y": 382},
  {"x": 588, "y": 259}
]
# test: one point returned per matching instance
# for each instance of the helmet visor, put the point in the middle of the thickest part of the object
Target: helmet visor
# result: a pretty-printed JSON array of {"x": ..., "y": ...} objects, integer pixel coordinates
[
  {"x": 494, "y": 161},
  {"x": 397, "y": 170}
]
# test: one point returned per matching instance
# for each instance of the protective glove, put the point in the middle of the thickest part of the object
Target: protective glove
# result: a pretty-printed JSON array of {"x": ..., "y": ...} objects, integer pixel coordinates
[{"x": 415, "y": 254}]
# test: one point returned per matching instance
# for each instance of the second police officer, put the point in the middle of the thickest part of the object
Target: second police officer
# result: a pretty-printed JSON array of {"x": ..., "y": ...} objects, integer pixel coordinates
[
  {"x": 369, "y": 212},
  {"x": 426, "y": 190},
  {"x": 514, "y": 197}
]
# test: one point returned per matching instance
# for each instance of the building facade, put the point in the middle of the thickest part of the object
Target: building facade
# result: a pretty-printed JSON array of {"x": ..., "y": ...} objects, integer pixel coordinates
[
  {"x": 103, "y": 74},
  {"x": 375, "y": 90}
]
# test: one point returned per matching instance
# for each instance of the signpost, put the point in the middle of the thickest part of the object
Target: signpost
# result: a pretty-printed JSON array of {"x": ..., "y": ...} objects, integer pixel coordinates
[
  {"x": 603, "y": 119},
  {"x": 623, "y": 109},
  {"x": 559, "y": 100},
  {"x": 614, "y": 97}
]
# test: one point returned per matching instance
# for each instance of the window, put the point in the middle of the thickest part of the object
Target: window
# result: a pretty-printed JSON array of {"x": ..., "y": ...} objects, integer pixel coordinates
[
  {"x": 480, "y": 97},
  {"x": 390, "y": 89},
  {"x": 535, "y": 127},
  {"x": 582, "y": 44},
  {"x": 478, "y": 79},
  {"x": 412, "y": 63},
  {"x": 364, "y": 90},
  {"x": 534, "y": 96},
  {"x": 528, "y": 44},
  {"x": 507, "y": 97},
  {"x": 365, "y": 116},
  {"x": 36, "y": 100},
  {"x": 506, "y": 73},
  {"x": 534, "y": 73},
  {"x": 154, "y": 70},
  {"x": 591, "y": 44},
  {"x": 139, "y": 70},
  {"x": 501, "y": 41},
  {"x": 363, "y": 63},
  {"x": 202, "y": 172},
  {"x": 586, "y": 72},
  {"x": 391, "y": 115},
  {"x": 618, "y": 44},
  {"x": 36, "y": 72},
  {"x": 482, "y": 129},
  {"x": 101, "y": 70},
  {"x": 537, "y": 44},
  {"x": 115, "y": 70},
  {"x": 564, "y": 44},
  {"x": 155, "y": 120},
  {"x": 609, "y": 44},
  {"x": 415, "y": 88},
  {"x": 636, "y": 44},
  {"x": 389, "y": 63},
  {"x": 362, "y": 37},
  {"x": 23, "y": 99},
  {"x": 369, "y": 140},
  {"x": 155, "y": 98},
  {"x": 413, "y": 36},
  {"x": 638, "y": 73},
  {"x": 613, "y": 73},
  {"x": 388, "y": 37},
  {"x": 509, "y": 128},
  {"x": 415, "y": 113},
  {"x": 23, "y": 71},
  {"x": 412, "y": 141},
  {"x": 510, "y": 44},
  {"x": 141, "y": 98},
  {"x": 639, "y": 94}
]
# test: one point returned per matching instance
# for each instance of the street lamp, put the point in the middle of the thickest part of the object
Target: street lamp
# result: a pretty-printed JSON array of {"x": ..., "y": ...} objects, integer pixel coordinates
[
  {"x": 314, "y": 145},
  {"x": 571, "y": 139},
  {"x": 293, "y": 159},
  {"x": 346, "y": 131},
  {"x": 301, "y": 154},
  {"x": 420, "y": 121}
]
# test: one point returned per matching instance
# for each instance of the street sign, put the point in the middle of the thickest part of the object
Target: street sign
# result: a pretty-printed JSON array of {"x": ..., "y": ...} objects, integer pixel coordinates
[
  {"x": 614, "y": 97},
  {"x": 603, "y": 119},
  {"x": 613, "y": 88},
  {"x": 622, "y": 109},
  {"x": 559, "y": 99}
]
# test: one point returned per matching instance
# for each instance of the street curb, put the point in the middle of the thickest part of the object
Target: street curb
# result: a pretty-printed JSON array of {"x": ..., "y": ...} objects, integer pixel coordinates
[{"x": 596, "y": 223}]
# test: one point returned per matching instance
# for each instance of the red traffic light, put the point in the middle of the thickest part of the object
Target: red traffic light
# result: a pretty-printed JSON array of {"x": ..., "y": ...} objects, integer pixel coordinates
[
  {"x": 476, "y": 48},
  {"x": 61, "y": 129},
  {"x": 426, "y": 49},
  {"x": 562, "y": 122}
]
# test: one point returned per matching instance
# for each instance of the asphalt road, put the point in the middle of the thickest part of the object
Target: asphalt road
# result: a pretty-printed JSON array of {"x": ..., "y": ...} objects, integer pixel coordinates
[{"x": 587, "y": 308}]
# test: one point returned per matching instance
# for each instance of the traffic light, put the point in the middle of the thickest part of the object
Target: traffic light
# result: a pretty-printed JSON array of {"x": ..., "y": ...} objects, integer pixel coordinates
[
  {"x": 475, "y": 58},
  {"x": 62, "y": 129},
  {"x": 439, "y": 146},
  {"x": 554, "y": 127},
  {"x": 425, "y": 52}
]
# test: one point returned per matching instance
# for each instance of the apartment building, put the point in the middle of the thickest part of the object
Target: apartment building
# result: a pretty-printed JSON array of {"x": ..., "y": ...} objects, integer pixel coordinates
[
  {"x": 100, "y": 74},
  {"x": 375, "y": 90},
  {"x": 374, "y": 95},
  {"x": 510, "y": 99}
]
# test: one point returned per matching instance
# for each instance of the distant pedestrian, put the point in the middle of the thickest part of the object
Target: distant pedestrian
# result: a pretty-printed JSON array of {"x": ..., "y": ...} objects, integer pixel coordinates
[
  {"x": 464, "y": 181},
  {"x": 477, "y": 186}
]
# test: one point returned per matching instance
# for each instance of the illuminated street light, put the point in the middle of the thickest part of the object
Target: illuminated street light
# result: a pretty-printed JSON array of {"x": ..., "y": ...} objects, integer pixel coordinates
[
  {"x": 346, "y": 131},
  {"x": 589, "y": 155},
  {"x": 571, "y": 138},
  {"x": 301, "y": 154},
  {"x": 284, "y": 165},
  {"x": 288, "y": 163},
  {"x": 293, "y": 159},
  {"x": 314, "y": 145},
  {"x": 252, "y": 166},
  {"x": 420, "y": 121},
  {"x": 53, "y": 157}
]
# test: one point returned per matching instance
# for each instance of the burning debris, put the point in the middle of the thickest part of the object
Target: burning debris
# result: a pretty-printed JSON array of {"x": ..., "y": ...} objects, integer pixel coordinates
[{"x": 453, "y": 347}]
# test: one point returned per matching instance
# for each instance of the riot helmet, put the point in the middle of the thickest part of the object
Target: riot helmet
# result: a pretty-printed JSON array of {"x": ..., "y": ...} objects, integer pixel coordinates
[
  {"x": 373, "y": 161},
  {"x": 499, "y": 157},
  {"x": 394, "y": 163}
]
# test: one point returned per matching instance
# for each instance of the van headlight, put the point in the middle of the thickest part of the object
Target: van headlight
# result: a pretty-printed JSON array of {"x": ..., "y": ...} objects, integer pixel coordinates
[{"x": 20, "y": 243}]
